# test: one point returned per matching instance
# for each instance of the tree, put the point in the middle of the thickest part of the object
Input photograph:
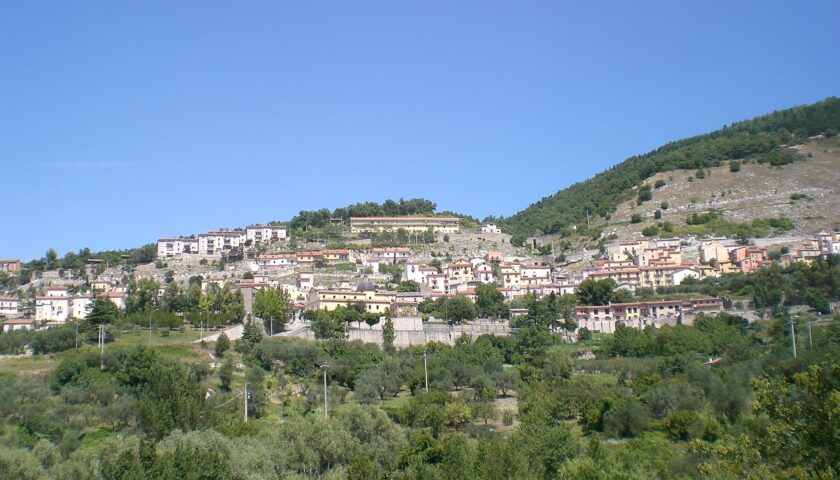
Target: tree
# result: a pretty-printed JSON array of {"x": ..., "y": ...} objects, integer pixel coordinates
[
  {"x": 490, "y": 303},
  {"x": 222, "y": 344},
  {"x": 251, "y": 334},
  {"x": 595, "y": 292},
  {"x": 558, "y": 364},
  {"x": 408, "y": 286},
  {"x": 226, "y": 374},
  {"x": 273, "y": 304},
  {"x": 388, "y": 335},
  {"x": 505, "y": 380},
  {"x": 458, "y": 309}
]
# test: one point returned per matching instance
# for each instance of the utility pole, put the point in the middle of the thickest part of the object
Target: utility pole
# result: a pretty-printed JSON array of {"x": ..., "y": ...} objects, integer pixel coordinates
[
  {"x": 810, "y": 338},
  {"x": 101, "y": 347},
  {"x": 426, "y": 370},
  {"x": 325, "y": 367},
  {"x": 792, "y": 336},
  {"x": 150, "y": 328},
  {"x": 246, "y": 402}
]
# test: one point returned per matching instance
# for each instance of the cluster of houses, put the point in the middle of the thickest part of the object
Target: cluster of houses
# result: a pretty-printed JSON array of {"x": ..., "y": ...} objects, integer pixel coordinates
[
  {"x": 54, "y": 308},
  {"x": 215, "y": 243}
]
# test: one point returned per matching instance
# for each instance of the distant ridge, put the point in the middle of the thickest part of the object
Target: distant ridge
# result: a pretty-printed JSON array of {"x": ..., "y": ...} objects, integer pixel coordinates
[{"x": 761, "y": 138}]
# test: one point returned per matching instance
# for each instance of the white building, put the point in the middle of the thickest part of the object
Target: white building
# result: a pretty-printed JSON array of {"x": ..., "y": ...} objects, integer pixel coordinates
[
  {"x": 176, "y": 247},
  {"x": 9, "y": 306},
  {"x": 80, "y": 306},
  {"x": 12, "y": 325},
  {"x": 389, "y": 255},
  {"x": 483, "y": 273},
  {"x": 490, "y": 228},
  {"x": 52, "y": 308},
  {"x": 264, "y": 233},
  {"x": 215, "y": 243},
  {"x": 276, "y": 261},
  {"x": 535, "y": 275}
]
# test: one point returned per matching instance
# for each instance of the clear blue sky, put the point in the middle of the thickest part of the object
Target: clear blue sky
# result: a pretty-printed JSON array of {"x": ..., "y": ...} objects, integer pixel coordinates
[{"x": 121, "y": 122}]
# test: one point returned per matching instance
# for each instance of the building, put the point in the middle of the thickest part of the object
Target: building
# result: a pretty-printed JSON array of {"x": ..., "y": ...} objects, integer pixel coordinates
[
  {"x": 255, "y": 234},
  {"x": 374, "y": 301},
  {"x": 9, "y": 306},
  {"x": 389, "y": 255},
  {"x": 409, "y": 224},
  {"x": 605, "y": 318},
  {"x": 748, "y": 259},
  {"x": 176, "y": 247},
  {"x": 335, "y": 256},
  {"x": 489, "y": 228},
  {"x": 459, "y": 271},
  {"x": 52, "y": 308},
  {"x": 276, "y": 261},
  {"x": 438, "y": 282},
  {"x": 22, "y": 324},
  {"x": 534, "y": 275},
  {"x": 9, "y": 265},
  {"x": 215, "y": 243},
  {"x": 509, "y": 274},
  {"x": 828, "y": 243},
  {"x": 483, "y": 273}
]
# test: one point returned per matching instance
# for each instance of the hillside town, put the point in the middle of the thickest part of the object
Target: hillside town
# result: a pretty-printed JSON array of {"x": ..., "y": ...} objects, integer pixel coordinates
[{"x": 396, "y": 281}]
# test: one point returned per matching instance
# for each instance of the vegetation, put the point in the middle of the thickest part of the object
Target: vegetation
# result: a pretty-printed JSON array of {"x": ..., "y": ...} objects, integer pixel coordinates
[{"x": 761, "y": 139}]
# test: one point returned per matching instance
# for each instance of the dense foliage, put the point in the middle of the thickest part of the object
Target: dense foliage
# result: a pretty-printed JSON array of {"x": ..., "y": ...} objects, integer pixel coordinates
[{"x": 761, "y": 139}]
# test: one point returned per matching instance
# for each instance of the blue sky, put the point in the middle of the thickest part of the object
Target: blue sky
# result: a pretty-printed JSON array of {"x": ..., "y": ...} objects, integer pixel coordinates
[{"x": 121, "y": 122}]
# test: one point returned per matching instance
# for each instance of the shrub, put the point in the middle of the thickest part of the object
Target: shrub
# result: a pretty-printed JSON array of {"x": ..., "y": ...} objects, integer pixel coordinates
[
  {"x": 636, "y": 218},
  {"x": 659, "y": 183},
  {"x": 650, "y": 231},
  {"x": 734, "y": 166},
  {"x": 657, "y": 214},
  {"x": 644, "y": 194},
  {"x": 664, "y": 205}
]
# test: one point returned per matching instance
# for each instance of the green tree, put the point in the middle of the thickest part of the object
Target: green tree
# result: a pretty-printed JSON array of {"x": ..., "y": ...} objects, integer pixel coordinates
[
  {"x": 273, "y": 305},
  {"x": 388, "y": 335},
  {"x": 458, "y": 309},
  {"x": 490, "y": 303},
  {"x": 222, "y": 345},
  {"x": 595, "y": 292},
  {"x": 226, "y": 374}
]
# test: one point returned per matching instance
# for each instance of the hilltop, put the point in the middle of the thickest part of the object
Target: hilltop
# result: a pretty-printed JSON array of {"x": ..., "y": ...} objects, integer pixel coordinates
[{"x": 765, "y": 141}]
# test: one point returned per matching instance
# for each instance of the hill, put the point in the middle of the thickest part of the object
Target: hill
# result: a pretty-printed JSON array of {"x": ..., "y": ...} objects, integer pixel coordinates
[{"x": 765, "y": 139}]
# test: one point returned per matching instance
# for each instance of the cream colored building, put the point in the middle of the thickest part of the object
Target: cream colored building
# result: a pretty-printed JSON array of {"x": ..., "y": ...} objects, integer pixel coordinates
[
  {"x": 9, "y": 306},
  {"x": 264, "y": 233},
  {"x": 409, "y": 224}
]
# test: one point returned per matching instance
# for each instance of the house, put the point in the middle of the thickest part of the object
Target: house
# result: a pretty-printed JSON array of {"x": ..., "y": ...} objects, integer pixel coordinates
[
  {"x": 438, "y": 282},
  {"x": 489, "y": 228},
  {"x": 308, "y": 257},
  {"x": 22, "y": 324},
  {"x": 255, "y": 234},
  {"x": 276, "y": 261},
  {"x": 458, "y": 271},
  {"x": 389, "y": 255},
  {"x": 80, "y": 306},
  {"x": 483, "y": 273},
  {"x": 748, "y": 259},
  {"x": 409, "y": 224},
  {"x": 52, "y": 308},
  {"x": 217, "y": 242},
  {"x": 677, "y": 276},
  {"x": 306, "y": 279},
  {"x": 176, "y": 247},
  {"x": 9, "y": 306},
  {"x": 713, "y": 250},
  {"x": 9, "y": 265},
  {"x": 373, "y": 301},
  {"x": 828, "y": 243},
  {"x": 412, "y": 273},
  {"x": 510, "y": 275},
  {"x": 335, "y": 256},
  {"x": 534, "y": 275},
  {"x": 118, "y": 298},
  {"x": 493, "y": 256}
]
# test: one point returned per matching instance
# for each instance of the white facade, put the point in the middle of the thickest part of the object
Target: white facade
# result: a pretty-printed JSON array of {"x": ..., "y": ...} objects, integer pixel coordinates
[
  {"x": 680, "y": 275},
  {"x": 176, "y": 247},
  {"x": 409, "y": 224},
  {"x": 490, "y": 228},
  {"x": 280, "y": 260},
  {"x": 484, "y": 273},
  {"x": 9, "y": 306},
  {"x": 52, "y": 308},
  {"x": 389, "y": 255},
  {"x": 80, "y": 306},
  {"x": 535, "y": 275},
  {"x": 215, "y": 243},
  {"x": 264, "y": 233},
  {"x": 12, "y": 325}
]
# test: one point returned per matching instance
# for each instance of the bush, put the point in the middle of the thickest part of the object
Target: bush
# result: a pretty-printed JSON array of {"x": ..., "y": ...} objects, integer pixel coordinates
[
  {"x": 659, "y": 183},
  {"x": 636, "y": 218},
  {"x": 657, "y": 214},
  {"x": 507, "y": 418},
  {"x": 734, "y": 166},
  {"x": 650, "y": 231},
  {"x": 644, "y": 194},
  {"x": 663, "y": 205}
]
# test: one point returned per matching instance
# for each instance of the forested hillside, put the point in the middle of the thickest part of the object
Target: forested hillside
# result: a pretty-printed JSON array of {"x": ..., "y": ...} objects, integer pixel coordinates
[{"x": 763, "y": 139}]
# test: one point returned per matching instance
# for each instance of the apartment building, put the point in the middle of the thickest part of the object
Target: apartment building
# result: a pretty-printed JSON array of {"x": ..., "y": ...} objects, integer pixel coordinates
[
  {"x": 748, "y": 259},
  {"x": 534, "y": 275},
  {"x": 215, "y": 243},
  {"x": 459, "y": 271},
  {"x": 176, "y": 247},
  {"x": 483, "y": 273},
  {"x": 409, "y": 224},
  {"x": 20, "y": 324},
  {"x": 605, "y": 318},
  {"x": 255, "y": 234},
  {"x": 510, "y": 275}
]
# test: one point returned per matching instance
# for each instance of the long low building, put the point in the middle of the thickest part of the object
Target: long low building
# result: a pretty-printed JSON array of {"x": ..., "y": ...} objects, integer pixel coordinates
[
  {"x": 605, "y": 318},
  {"x": 409, "y": 224}
]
